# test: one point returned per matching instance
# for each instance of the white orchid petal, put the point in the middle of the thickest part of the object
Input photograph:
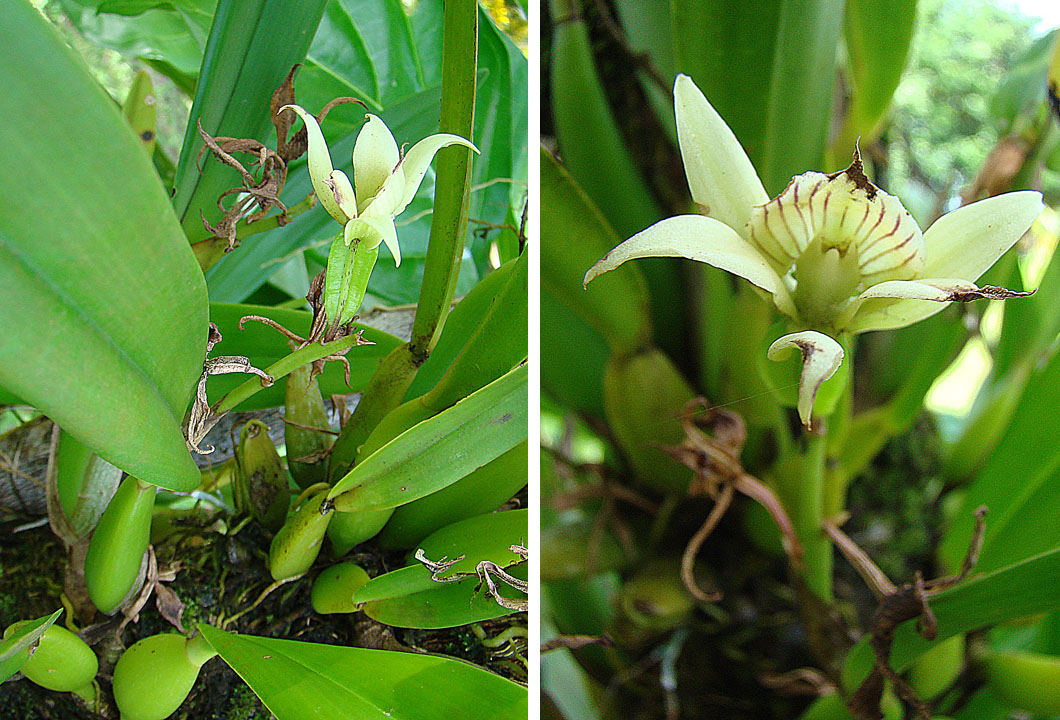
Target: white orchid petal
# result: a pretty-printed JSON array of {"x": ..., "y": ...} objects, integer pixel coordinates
[
  {"x": 375, "y": 155},
  {"x": 917, "y": 300},
  {"x": 388, "y": 201},
  {"x": 383, "y": 225},
  {"x": 320, "y": 166},
  {"x": 702, "y": 239},
  {"x": 720, "y": 176},
  {"x": 821, "y": 357},
  {"x": 343, "y": 193},
  {"x": 967, "y": 241},
  {"x": 419, "y": 158}
]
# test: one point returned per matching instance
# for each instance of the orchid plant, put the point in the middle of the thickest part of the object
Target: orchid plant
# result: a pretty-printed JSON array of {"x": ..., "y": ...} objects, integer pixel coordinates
[
  {"x": 385, "y": 179},
  {"x": 833, "y": 253}
]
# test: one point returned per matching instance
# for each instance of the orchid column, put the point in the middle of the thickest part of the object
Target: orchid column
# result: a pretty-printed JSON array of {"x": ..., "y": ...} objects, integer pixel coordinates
[{"x": 834, "y": 255}]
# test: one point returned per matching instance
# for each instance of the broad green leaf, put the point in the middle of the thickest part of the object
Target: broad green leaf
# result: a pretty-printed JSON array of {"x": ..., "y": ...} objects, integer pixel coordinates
[
  {"x": 595, "y": 155},
  {"x": 106, "y": 309},
  {"x": 461, "y": 324},
  {"x": 768, "y": 68},
  {"x": 410, "y": 598},
  {"x": 1030, "y": 325},
  {"x": 439, "y": 451},
  {"x": 1017, "y": 483},
  {"x": 648, "y": 30},
  {"x": 573, "y": 376},
  {"x": 878, "y": 34},
  {"x": 1028, "y": 587},
  {"x": 442, "y": 605},
  {"x": 591, "y": 146},
  {"x": 264, "y": 346},
  {"x": 252, "y": 46},
  {"x": 574, "y": 235},
  {"x": 21, "y": 639},
  {"x": 168, "y": 39},
  {"x": 311, "y": 681}
]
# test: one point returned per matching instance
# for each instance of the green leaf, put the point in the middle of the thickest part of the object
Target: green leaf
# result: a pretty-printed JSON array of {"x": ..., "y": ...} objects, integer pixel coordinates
[
  {"x": 106, "y": 308},
  {"x": 768, "y": 68},
  {"x": 410, "y": 598},
  {"x": 253, "y": 44},
  {"x": 439, "y": 451},
  {"x": 1025, "y": 588},
  {"x": 878, "y": 35},
  {"x": 1017, "y": 483},
  {"x": 20, "y": 640},
  {"x": 461, "y": 324},
  {"x": 264, "y": 346},
  {"x": 171, "y": 41},
  {"x": 615, "y": 304},
  {"x": 592, "y": 148},
  {"x": 310, "y": 681}
]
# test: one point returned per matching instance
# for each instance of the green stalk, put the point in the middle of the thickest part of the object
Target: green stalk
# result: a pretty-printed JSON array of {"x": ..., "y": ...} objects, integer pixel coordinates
[
  {"x": 807, "y": 515},
  {"x": 800, "y": 481},
  {"x": 446, "y": 244},
  {"x": 211, "y": 250},
  {"x": 283, "y": 367},
  {"x": 384, "y": 393},
  {"x": 449, "y": 222}
]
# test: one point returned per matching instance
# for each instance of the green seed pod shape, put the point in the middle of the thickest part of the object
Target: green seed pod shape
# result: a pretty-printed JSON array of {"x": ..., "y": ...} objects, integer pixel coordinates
[
  {"x": 305, "y": 406},
  {"x": 297, "y": 544},
  {"x": 348, "y": 529},
  {"x": 334, "y": 588},
  {"x": 938, "y": 668},
  {"x": 833, "y": 707},
  {"x": 655, "y": 600},
  {"x": 117, "y": 547},
  {"x": 261, "y": 482},
  {"x": 61, "y": 662},
  {"x": 155, "y": 675},
  {"x": 644, "y": 396},
  {"x": 1029, "y": 681}
]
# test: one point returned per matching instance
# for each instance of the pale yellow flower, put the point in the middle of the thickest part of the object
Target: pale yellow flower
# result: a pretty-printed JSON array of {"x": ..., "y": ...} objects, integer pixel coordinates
[{"x": 833, "y": 253}]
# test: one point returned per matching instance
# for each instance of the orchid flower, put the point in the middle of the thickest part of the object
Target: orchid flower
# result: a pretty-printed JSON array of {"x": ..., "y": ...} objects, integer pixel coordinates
[
  {"x": 833, "y": 253},
  {"x": 385, "y": 180}
]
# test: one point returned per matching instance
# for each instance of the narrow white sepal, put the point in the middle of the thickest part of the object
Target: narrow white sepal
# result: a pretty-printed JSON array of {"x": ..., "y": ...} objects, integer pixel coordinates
[
  {"x": 375, "y": 155},
  {"x": 342, "y": 190},
  {"x": 704, "y": 240},
  {"x": 896, "y": 304},
  {"x": 320, "y": 166},
  {"x": 821, "y": 357},
  {"x": 418, "y": 159},
  {"x": 967, "y": 241},
  {"x": 384, "y": 227},
  {"x": 720, "y": 175}
]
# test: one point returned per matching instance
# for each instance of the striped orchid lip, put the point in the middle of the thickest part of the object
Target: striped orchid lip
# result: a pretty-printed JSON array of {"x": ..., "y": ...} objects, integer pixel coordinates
[{"x": 832, "y": 252}]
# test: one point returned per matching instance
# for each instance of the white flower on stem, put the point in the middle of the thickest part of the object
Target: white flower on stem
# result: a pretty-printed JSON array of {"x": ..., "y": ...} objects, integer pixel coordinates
[
  {"x": 385, "y": 180},
  {"x": 833, "y": 253}
]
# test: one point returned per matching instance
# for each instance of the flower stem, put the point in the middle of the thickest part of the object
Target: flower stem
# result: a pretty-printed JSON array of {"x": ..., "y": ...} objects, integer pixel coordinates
[{"x": 807, "y": 516}]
